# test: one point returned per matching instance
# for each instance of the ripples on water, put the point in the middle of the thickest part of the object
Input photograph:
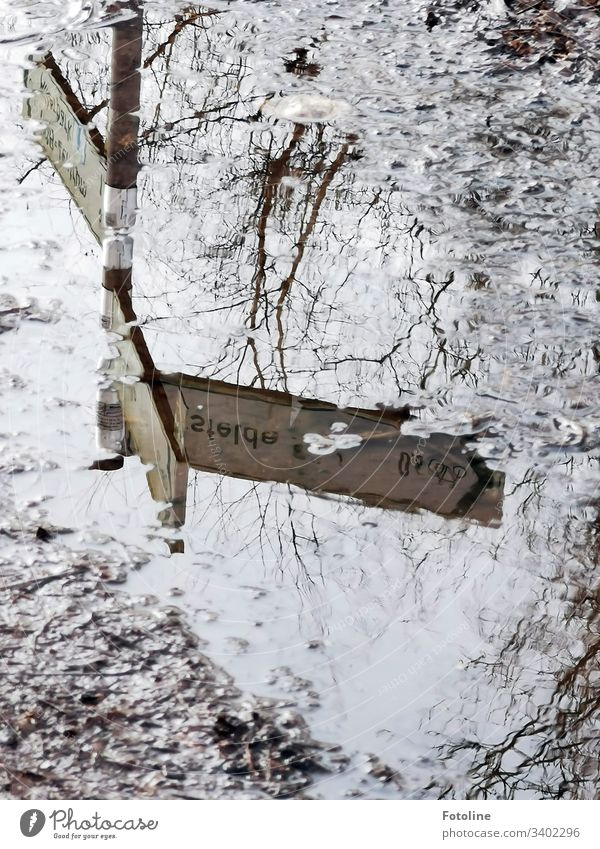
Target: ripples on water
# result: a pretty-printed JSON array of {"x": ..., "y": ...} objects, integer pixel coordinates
[
  {"x": 29, "y": 21},
  {"x": 435, "y": 246}
]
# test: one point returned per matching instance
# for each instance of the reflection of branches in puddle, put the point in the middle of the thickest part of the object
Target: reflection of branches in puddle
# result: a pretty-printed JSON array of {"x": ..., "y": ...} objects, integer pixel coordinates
[
  {"x": 259, "y": 519},
  {"x": 275, "y": 171},
  {"x": 319, "y": 544},
  {"x": 549, "y": 700},
  {"x": 300, "y": 247},
  {"x": 181, "y": 22},
  {"x": 288, "y": 240},
  {"x": 251, "y": 211}
]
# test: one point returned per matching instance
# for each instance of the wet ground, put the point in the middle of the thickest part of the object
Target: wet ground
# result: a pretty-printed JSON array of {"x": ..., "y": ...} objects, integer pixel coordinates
[
  {"x": 347, "y": 413},
  {"x": 106, "y": 695}
]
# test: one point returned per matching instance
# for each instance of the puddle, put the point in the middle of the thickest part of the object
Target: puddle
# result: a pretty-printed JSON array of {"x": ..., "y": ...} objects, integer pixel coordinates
[{"x": 329, "y": 386}]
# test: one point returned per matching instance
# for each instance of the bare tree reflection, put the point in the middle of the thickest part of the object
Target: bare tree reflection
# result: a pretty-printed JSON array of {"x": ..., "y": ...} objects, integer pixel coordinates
[
  {"x": 284, "y": 194},
  {"x": 544, "y": 696}
]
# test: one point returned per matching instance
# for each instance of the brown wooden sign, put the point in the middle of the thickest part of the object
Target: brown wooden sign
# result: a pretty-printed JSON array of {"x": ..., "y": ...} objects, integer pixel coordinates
[{"x": 271, "y": 436}]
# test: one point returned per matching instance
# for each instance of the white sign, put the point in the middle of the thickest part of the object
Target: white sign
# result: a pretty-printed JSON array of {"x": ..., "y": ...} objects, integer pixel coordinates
[{"x": 67, "y": 143}]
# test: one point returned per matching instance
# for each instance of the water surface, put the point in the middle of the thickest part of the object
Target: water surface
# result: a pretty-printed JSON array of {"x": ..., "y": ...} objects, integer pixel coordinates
[{"x": 360, "y": 399}]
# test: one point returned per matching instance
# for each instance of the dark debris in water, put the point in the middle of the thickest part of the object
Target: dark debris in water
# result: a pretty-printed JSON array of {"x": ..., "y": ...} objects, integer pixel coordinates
[
  {"x": 545, "y": 34},
  {"x": 105, "y": 695},
  {"x": 531, "y": 34},
  {"x": 12, "y": 312}
]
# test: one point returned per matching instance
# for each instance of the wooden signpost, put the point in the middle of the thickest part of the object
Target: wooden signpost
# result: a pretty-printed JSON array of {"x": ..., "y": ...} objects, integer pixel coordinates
[{"x": 174, "y": 422}]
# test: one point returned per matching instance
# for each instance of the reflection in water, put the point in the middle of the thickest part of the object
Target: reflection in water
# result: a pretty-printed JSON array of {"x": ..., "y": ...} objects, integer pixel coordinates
[
  {"x": 273, "y": 436},
  {"x": 171, "y": 420},
  {"x": 546, "y": 741},
  {"x": 268, "y": 262}
]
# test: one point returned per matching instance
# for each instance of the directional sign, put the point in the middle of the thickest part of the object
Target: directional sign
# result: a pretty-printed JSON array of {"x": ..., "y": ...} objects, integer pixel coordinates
[
  {"x": 271, "y": 436},
  {"x": 67, "y": 142}
]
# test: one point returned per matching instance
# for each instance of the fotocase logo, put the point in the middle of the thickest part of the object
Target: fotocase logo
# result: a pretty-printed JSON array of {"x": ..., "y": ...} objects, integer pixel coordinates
[{"x": 32, "y": 822}]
